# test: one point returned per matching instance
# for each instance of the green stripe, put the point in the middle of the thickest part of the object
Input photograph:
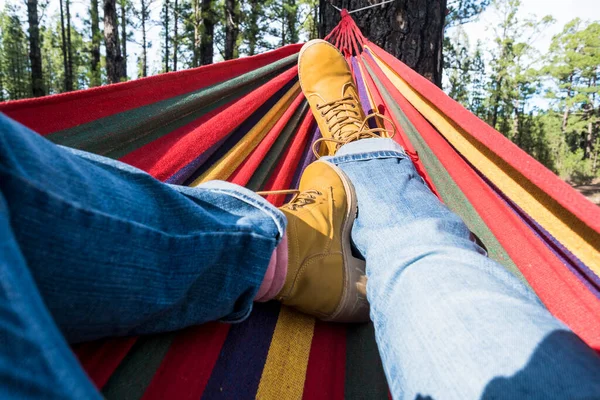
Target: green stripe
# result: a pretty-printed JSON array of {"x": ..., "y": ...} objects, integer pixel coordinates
[
  {"x": 124, "y": 148},
  {"x": 132, "y": 377},
  {"x": 268, "y": 164},
  {"x": 365, "y": 378},
  {"x": 451, "y": 194},
  {"x": 108, "y": 134}
]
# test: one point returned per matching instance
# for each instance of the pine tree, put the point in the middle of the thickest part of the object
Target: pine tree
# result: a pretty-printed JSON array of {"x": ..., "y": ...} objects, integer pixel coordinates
[
  {"x": 35, "y": 55},
  {"x": 111, "y": 42},
  {"x": 478, "y": 95},
  {"x": 124, "y": 11},
  {"x": 142, "y": 15},
  {"x": 232, "y": 29},
  {"x": 165, "y": 19},
  {"x": 208, "y": 20},
  {"x": 290, "y": 9},
  {"x": 457, "y": 64},
  {"x": 254, "y": 25},
  {"x": 96, "y": 38},
  {"x": 574, "y": 66},
  {"x": 511, "y": 80},
  {"x": 175, "y": 33},
  {"x": 14, "y": 58}
]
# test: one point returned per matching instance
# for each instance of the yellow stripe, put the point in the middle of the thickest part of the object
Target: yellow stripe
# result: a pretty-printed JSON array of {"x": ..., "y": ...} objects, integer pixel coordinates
[
  {"x": 580, "y": 239},
  {"x": 285, "y": 369},
  {"x": 227, "y": 165}
]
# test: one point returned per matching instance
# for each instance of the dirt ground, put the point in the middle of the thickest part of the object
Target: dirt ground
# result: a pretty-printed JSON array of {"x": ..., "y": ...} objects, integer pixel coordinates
[{"x": 591, "y": 191}]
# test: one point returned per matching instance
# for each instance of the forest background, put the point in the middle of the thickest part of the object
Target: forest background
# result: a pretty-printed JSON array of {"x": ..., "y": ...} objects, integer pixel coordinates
[{"x": 529, "y": 68}]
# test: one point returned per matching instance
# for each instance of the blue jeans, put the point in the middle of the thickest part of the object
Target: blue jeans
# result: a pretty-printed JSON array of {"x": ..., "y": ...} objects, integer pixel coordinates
[{"x": 92, "y": 248}]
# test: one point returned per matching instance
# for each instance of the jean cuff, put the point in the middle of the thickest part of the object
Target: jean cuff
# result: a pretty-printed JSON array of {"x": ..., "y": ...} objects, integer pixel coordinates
[
  {"x": 252, "y": 198},
  {"x": 366, "y": 149}
]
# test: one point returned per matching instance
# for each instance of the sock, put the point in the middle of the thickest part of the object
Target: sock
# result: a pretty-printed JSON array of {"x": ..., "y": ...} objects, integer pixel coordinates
[{"x": 276, "y": 272}]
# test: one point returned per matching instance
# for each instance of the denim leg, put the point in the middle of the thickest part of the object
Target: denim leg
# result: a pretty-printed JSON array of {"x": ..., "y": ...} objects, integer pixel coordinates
[
  {"x": 451, "y": 323},
  {"x": 113, "y": 251},
  {"x": 35, "y": 359}
]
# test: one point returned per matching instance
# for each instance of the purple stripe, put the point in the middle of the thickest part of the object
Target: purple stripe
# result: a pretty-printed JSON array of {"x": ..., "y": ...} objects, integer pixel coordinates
[
  {"x": 574, "y": 264},
  {"x": 237, "y": 373},
  {"x": 308, "y": 159},
  {"x": 362, "y": 93}
]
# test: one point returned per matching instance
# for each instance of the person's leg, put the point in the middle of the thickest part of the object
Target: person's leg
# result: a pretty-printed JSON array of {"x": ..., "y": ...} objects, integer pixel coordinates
[
  {"x": 450, "y": 322},
  {"x": 115, "y": 252},
  {"x": 35, "y": 360}
]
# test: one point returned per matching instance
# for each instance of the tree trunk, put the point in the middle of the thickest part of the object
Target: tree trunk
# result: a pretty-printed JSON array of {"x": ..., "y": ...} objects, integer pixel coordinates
[
  {"x": 283, "y": 41},
  {"x": 231, "y": 28},
  {"x": 124, "y": 38},
  {"x": 253, "y": 27},
  {"x": 35, "y": 55},
  {"x": 175, "y": 35},
  {"x": 68, "y": 82},
  {"x": 95, "y": 20},
  {"x": 314, "y": 32},
  {"x": 206, "y": 38},
  {"x": 111, "y": 42},
  {"x": 496, "y": 103},
  {"x": 411, "y": 30},
  {"x": 589, "y": 141},
  {"x": 166, "y": 22},
  {"x": 292, "y": 20},
  {"x": 589, "y": 137},
  {"x": 69, "y": 44},
  {"x": 516, "y": 126},
  {"x": 196, "y": 43},
  {"x": 565, "y": 120},
  {"x": 144, "y": 44}
]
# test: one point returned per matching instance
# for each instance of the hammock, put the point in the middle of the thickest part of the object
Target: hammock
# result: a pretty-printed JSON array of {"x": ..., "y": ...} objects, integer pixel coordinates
[{"x": 246, "y": 121}]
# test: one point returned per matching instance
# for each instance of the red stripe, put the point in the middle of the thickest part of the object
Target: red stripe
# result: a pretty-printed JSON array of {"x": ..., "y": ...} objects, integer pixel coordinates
[
  {"x": 100, "y": 358},
  {"x": 147, "y": 156},
  {"x": 531, "y": 169},
  {"x": 245, "y": 171},
  {"x": 326, "y": 371},
  {"x": 283, "y": 175},
  {"x": 565, "y": 296},
  {"x": 165, "y": 156},
  {"x": 186, "y": 369},
  {"x": 54, "y": 113}
]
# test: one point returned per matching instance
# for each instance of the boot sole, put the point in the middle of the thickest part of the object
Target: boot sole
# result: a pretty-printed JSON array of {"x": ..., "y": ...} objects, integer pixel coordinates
[{"x": 353, "y": 305}]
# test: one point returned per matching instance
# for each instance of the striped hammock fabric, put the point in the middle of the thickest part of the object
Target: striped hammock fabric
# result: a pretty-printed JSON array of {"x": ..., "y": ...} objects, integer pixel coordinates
[{"x": 246, "y": 121}]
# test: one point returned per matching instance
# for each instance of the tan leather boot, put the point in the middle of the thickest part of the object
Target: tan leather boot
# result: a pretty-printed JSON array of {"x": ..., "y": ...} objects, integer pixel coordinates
[
  {"x": 327, "y": 83},
  {"x": 324, "y": 279}
]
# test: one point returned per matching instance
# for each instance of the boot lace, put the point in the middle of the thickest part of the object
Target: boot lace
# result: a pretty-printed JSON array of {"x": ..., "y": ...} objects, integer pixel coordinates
[
  {"x": 299, "y": 200},
  {"x": 342, "y": 113}
]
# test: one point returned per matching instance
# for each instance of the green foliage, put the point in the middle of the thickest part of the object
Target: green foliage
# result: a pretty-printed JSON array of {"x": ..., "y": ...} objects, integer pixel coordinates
[
  {"x": 463, "y": 11},
  {"x": 563, "y": 137},
  {"x": 14, "y": 58}
]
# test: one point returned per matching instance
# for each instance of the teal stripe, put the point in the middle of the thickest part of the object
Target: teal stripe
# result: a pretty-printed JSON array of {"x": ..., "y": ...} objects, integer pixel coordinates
[
  {"x": 365, "y": 378},
  {"x": 134, "y": 374},
  {"x": 105, "y": 135},
  {"x": 136, "y": 142}
]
